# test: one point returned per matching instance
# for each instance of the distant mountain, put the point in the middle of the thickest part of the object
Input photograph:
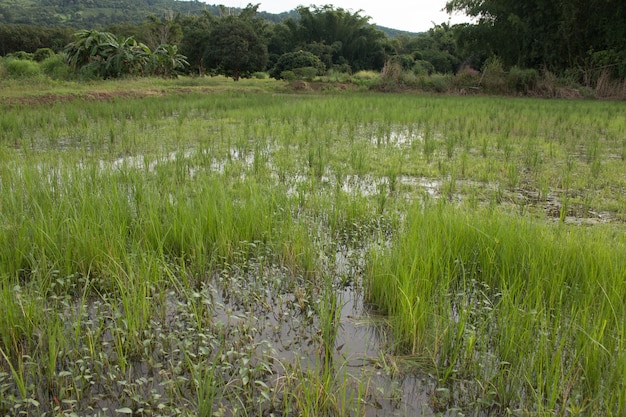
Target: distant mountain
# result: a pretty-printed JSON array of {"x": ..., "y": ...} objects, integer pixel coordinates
[
  {"x": 93, "y": 14},
  {"x": 97, "y": 14}
]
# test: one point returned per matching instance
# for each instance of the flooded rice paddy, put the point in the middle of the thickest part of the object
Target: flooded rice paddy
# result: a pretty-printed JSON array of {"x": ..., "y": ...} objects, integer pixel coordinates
[{"x": 256, "y": 255}]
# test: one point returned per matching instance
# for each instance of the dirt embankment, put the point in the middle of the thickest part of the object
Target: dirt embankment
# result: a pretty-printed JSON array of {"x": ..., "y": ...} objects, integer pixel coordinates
[{"x": 49, "y": 98}]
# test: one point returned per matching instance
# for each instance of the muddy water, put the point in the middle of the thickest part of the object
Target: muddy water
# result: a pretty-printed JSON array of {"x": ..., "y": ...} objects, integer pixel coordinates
[
  {"x": 264, "y": 315},
  {"x": 289, "y": 323}
]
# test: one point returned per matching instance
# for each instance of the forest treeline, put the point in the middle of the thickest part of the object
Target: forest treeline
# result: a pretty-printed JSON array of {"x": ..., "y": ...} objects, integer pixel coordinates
[{"x": 519, "y": 42}]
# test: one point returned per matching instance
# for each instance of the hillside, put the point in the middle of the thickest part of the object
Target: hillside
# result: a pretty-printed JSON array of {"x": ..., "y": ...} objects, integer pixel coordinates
[
  {"x": 97, "y": 14},
  {"x": 94, "y": 14}
]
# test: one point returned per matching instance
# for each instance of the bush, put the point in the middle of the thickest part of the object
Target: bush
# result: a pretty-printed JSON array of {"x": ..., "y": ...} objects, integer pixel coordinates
[
  {"x": 287, "y": 76},
  {"x": 390, "y": 76},
  {"x": 56, "y": 68},
  {"x": 494, "y": 77},
  {"x": 305, "y": 73},
  {"x": 466, "y": 78},
  {"x": 522, "y": 80},
  {"x": 17, "y": 68},
  {"x": 342, "y": 68},
  {"x": 438, "y": 83},
  {"x": 260, "y": 75},
  {"x": 365, "y": 79},
  {"x": 421, "y": 67},
  {"x": 25, "y": 56},
  {"x": 42, "y": 54},
  {"x": 337, "y": 76},
  {"x": 3, "y": 71},
  {"x": 366, "y": 75},
  {"x": 405, "y": 61},
  {"x": 293, "y": 60}
]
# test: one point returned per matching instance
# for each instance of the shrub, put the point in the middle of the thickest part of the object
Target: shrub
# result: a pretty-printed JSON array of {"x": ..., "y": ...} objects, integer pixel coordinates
[
  {"x": 438, "y": 83},
  {"x": 17, "y": 68},
  {"x": 260, "y": 75},
  {"x": 405, "y": 61},
  {"x": 56, "y": 68},
  {"x": 494, "y": 77},
  {"x": 287, "y": 76},
  {"x": 365, "y": 79},
  {"x": 366, "y": 75},
  {"x": 300, "y": 59},
  {"x": 390, "y": 76},
  {"x": 305, "y": 73},
  {"x": 467, "y": 77},
  {"x": 522, "y": 80},
  {"x": 3, "y": 71},
  {"x": 421, "y": 67},
  {"x": 42, "y": 54},
  {"x": 608, "y": 87},
  {"x": 342, "y": 68},
  {"x": 548, "y": 85},
  {"x": 25, "y": 56},
  {"x": 337, "y": 75}
]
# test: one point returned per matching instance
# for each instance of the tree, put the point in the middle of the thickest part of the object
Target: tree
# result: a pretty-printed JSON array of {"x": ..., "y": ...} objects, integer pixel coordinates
[
  {"x": 280, "y": 41},
  {"x": 28, "y": 38},
  {"x": 347, "y": 36},
  {"x": 297, "y": 60},
  {"x": 164, "y": 31},
  {"x": 560, "y": 35},
  {"x": 235, "y": 49},
  {"x": 434, "y": 49},
  {"x": 195, "y": 41}
]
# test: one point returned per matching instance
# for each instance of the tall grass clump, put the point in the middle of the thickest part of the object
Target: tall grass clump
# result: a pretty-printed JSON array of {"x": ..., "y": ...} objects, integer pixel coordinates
[{"x": 534, "y": 311}]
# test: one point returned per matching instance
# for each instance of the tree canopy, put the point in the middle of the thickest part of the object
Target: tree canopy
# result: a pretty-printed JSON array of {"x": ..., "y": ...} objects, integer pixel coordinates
[
  {"x": 338, "y": 37},
  {"x": 235, "y": 49},
  {"x": 558, "y": 35},
  {"x": 576, "y": 38}
]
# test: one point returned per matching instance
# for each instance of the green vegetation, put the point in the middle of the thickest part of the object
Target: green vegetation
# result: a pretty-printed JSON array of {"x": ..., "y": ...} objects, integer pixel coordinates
[
  {"x": 515, "y": 314},
  {"x": 534, "y": 34},
  {"x": 101, "y": 54},
  {"x": 301, "y": 61},
  {"x": 235, "y": 49},
  {"x": 511, "y": 49},
  {"x": 198, "y": 246},
  {"x": 94, "y": 14}
]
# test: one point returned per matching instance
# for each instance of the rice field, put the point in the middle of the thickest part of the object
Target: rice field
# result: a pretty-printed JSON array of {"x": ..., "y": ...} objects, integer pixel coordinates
[{"x": 252, "y": 252}]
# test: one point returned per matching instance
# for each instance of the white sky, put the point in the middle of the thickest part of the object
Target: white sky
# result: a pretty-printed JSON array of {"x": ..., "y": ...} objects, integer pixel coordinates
[{"x": 409, "y": 15}]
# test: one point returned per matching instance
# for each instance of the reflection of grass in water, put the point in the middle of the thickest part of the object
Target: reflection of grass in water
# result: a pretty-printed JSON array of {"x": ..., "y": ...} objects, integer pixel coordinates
[{"x": 526, "y": 306}]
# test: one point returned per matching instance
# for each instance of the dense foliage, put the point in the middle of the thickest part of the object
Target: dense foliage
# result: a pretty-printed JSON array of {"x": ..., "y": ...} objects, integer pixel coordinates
[
  {"x": 93, "y": 13},
  {"x": 14, "y": 38},
  {"x": 511, "y": 46},
  {"x": 235, "y": 49},
  {"x": 298, "y": 60},
  {"x": 338, "y": 37},
  {"x": 558, "y": 35},
  {"x": 106, "y": 56}
]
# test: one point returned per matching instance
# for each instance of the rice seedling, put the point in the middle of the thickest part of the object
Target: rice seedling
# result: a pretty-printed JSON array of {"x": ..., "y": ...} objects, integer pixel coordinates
[
  {"x": 521, "y": 288},
  {"x": 170, "y": 251}
]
